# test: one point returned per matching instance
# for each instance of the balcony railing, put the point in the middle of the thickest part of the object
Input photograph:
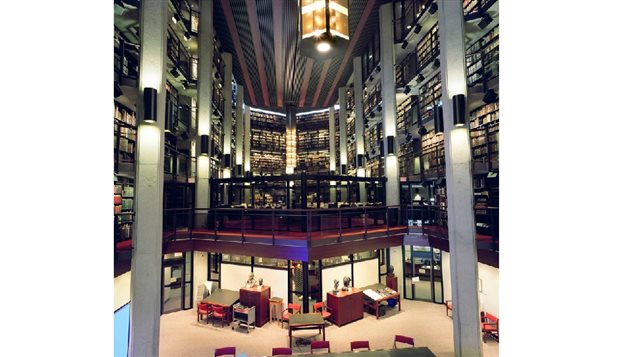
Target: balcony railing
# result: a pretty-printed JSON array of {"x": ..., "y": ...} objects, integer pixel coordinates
[{"x": 283, "y": 227}]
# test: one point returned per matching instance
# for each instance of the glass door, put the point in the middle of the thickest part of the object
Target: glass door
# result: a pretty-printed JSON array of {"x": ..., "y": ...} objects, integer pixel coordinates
[
  {"x": 423, "y": 274},
  {"x": 177, "y": 282}
]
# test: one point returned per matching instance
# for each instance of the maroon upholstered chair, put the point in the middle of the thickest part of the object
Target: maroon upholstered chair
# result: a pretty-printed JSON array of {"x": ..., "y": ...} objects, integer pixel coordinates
[
  {"x": 225, "y": 351},
  {"x": 322, "y": 309},
  {"x": 319, "y": 345},
  {"x": 355, "y": 345},
  {"x": 403, "y": 339},
  {"x": 203, "y": 310},
  {"x": 281, "y": 351},
  {"x": 489, "y": 325},
  {"x": 219, "y": 312}
]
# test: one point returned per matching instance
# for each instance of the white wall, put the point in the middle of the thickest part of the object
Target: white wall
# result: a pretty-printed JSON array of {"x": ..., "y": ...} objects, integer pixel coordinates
[
  {"x": 330, "y": 273},
  {"x": 200, "y": 271},
  {"x": 447, "y": 280},
  {"x": 277, "y": 279},
  {"x": 396, "y": 260},
  {"x": 488, "y": 285},
  {"x": 366, "y": 272},
  {"x": 234, "y": 277},
  {"x": 122, "y": 290}
]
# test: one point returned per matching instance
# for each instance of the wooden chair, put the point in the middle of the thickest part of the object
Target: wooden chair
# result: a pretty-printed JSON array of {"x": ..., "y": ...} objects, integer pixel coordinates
[
  {"x": 448, "y": 307},
  {"x": 281, "y": 351},
  {"x": 203, "y": 309},
  {"x": 403, "y": 339},
  {"x": 219, "y": 312},
  {"x": 322, "y": 309},
  {"x": 320, "y": 345},
  {"x": 292, "y": 309},
  {"x": 355, "y": 345},
  {"x": 225, "y": 351},
  {"x": 489, "y": 325}
]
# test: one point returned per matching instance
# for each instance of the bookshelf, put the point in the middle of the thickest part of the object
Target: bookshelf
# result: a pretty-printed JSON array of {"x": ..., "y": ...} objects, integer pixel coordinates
[
  {"x": 428, "y": 47},
  {"x": 313, "y": 141},
  {"x": 433, "y": 155},
  {"x": 125, "y": 137},
  {"x": 484, "y": 129},
  {"x": 267, "y": 143},
  {"x": 372, "y": 98},
  {"x": 482, "y": 58},
  {"x": 123, "y": 207}
]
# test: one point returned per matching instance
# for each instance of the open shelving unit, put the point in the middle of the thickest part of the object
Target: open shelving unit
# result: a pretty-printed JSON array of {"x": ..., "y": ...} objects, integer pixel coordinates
[
  {"x": 125, "y": 138},
  {"x": 313, "y": 142},
  {"x": 267, "y": 143}
]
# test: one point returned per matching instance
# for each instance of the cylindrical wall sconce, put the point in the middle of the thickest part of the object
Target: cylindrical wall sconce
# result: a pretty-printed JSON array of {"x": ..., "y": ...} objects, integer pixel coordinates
[
  {"x": 360, "y": 160},
  {"x": 205, "y": 145},
  {"x": 228, "y": 160},
  {"x": 438, "y": 119},
  {"x": 149, "y": 104},
  {"x": 343, "y": 169},
  {"x": 458, "y": 104},
  {"x": 390, "y": 141},
  {"x": 239, "y": 170}
]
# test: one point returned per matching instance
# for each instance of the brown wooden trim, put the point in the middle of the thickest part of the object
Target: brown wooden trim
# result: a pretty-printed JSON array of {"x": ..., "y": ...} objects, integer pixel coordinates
[
  {"x": 318, "y": 90},
  {"x": 260, "y": 61},
  {"x": 308, "y": 67}
]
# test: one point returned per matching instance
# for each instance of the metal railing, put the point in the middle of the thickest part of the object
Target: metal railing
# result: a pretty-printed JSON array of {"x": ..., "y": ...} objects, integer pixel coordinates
[{"x": 284, "y": 227}]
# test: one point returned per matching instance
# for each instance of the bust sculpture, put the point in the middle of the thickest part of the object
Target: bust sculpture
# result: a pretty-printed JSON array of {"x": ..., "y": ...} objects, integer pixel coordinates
[
  {"x": 251, "y": 282},
  {"x": 347, "y": 283},
  {"x": 336, "y": 284}
]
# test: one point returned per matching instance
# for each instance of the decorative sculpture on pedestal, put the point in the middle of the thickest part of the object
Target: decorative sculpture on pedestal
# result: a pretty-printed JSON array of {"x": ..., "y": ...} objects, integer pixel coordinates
[
  {"x": 260, "y": 282},
  {"x": 336, "y": 284},
  {"x": 251, "y": 282},
  {"x": 347, "y": 283}
]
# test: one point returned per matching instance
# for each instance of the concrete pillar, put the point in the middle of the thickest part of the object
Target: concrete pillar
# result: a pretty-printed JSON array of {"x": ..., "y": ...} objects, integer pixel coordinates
[
  {"x": 359, "y": 124},
  {"x": 343, "y": 138},
  {"x": 463, "y": 258},
  {"x": 204, "y": 94},
  {"x": 332, "y": 153},
  {"x": 247, "y": 142},
  {"x": 240, "y": 95},
  {"x": 227, "y": 115},
  {"x": 145, "y": 294},
  {"x": 291, "y": 140},
  {"x": 389, "y": 100}
]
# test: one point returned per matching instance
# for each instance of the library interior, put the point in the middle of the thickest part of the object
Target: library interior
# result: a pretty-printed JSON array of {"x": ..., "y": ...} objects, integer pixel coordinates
[{"x": 303, "y": 176}]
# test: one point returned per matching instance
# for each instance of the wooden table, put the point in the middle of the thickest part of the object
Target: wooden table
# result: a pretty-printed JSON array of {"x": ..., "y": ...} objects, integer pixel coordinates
[
  {"x": 306, "y": 322},
  {"x": 382, "y": 287},
  {"x": 223, "y": 297},
  {"x": 403, "y": 352}
]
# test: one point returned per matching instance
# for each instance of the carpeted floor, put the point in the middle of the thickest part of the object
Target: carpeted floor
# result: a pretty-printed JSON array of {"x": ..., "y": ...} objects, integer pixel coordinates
[{"x": 182, "y": 336}]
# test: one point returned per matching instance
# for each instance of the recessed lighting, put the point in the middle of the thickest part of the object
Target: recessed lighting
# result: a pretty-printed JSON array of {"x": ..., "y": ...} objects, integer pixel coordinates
[{"x": 323, "y": 46}]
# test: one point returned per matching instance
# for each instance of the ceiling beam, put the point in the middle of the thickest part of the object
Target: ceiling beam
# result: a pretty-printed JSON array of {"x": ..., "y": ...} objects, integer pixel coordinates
[
  {"x": 351, "y": 46},
  {"x": 231, "y": 26},
  {"x": 260, "y": 61},
  {"x": 318, "y": 90},
  {"x": 278, "y": 49},
  {"x": 308, "y": 67}
]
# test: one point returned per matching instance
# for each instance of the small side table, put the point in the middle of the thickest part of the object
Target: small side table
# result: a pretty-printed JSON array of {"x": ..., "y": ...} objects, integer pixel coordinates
[{"x": 275, "y": 309}]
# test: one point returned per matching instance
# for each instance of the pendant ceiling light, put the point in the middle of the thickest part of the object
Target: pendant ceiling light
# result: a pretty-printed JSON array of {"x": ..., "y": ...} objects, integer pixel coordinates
[{"x": 323, "y": 27}]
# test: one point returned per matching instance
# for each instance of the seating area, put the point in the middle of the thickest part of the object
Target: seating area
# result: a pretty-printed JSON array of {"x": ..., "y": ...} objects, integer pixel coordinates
[{"x": 489, "y": 326}]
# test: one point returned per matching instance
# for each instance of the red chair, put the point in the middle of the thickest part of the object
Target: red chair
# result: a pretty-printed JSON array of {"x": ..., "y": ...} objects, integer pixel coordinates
[
  {"x": 292, "y": 309},
  {"x": 203, "y": 309},
  {"x": 281, "y": 351},
  {"x": 489, "y": 325},
  {"x": 320, "y": 345},
  {"x": 219, "y": 312},
  {"x": 322, "y": 309},
  {"x": 225, "y": 351},
  {"x": 403, "y": 339},
  {"x": 355, "y": 345}
]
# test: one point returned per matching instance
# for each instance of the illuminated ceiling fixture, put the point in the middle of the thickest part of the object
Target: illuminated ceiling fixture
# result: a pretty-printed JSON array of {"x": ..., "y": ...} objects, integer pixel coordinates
[{"x": 323, "y": 27}]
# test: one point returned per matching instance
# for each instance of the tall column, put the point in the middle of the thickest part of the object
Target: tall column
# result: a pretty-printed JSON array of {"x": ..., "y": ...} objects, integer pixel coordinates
[
  {"x": 359, "y": 125},
  {"x": 227, "y": 115},
  {"x": 145, "y": 294},
  {"x": 247, "y": 142},
  {"x": 240, "y": 95},
  {"x": 343, "y": 139},
  {"x": 332, "y": 153},
  {"x": 204, "y": 102},
  {"x": 247, "y": 151},
  {"x": 343, "y": 129},
  {"x": 463, "y": 258},
  {"x": 291, "y": 140},
  {"x": 389, "y": 99}
]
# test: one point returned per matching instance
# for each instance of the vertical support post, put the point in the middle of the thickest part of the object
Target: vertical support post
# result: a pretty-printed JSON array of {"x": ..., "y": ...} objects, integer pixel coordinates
[
  {"x": 332, "y": 152},
  {"x": 359, "y": 124},
  {"x": 461, "y": 230},
  {"x": 227, "y": 120},
  {"x": 240, "y": 95},
  {"x": 147, "y": 255}
]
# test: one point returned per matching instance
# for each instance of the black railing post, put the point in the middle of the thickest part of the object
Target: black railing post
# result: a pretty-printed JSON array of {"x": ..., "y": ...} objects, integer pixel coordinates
[
  {"x": 339, "y": 239},
  {"x": 242, "y": 224}
]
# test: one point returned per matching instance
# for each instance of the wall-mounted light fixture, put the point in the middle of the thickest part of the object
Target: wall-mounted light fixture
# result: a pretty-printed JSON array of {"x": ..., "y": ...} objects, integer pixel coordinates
[
  {"x": 485, "y": 21},
  {"x": 205, "y": 145},
  {"x": 407, "y": 90},
  {"x": 404, "y": 44},
  {"x": 420, "y": 78},
  {"x": 228, "y": 160},
  {"x": 458, "y": 104},
  {"x": 417, "y": 28},
  {"x": 343, "y": 169},
  {"x": 390, "y": 141},
  {"x": 436, "y": 64},
  {"x": 239, "y": 170},
  {"x": 360, "y": 160},
  {"x": 438, "y": 119},
  {"x": 149, "y": 104},
  {"x": 433, "y": 8}
]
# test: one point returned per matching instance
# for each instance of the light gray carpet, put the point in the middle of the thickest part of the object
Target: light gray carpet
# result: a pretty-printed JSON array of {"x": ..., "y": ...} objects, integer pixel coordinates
[{"x": 182, "y": 336}]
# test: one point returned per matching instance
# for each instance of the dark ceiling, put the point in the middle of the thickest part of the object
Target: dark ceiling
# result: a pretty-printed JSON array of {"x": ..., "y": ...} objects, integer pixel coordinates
[{"x": 262, "y": 40}]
